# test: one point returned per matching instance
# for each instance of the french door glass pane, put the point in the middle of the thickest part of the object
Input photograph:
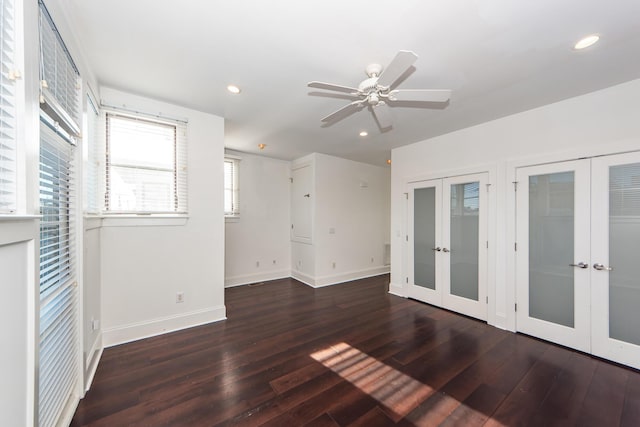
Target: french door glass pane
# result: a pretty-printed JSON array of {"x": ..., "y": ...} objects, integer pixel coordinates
[
  {"x": 424, "y": 237},
  {"x": 551, "y": 244},
  {"x": 465, "y": 224},
  {"x": 624, "y": 257}
]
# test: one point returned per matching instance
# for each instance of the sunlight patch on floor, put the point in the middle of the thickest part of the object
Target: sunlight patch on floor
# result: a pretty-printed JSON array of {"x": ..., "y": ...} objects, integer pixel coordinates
[{"x": 397, "y": 392}]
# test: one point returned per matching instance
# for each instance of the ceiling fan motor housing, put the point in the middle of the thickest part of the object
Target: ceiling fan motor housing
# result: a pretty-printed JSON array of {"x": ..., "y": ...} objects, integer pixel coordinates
[{"x": 369, "y": 87}]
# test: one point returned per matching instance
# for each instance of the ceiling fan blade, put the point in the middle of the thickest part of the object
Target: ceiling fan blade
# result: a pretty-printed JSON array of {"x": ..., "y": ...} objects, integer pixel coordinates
[
  {"x": 330, "y": 86},
  {"x": 421, "y": 95},
  {"x": 383, "y": 115},
  {"x": 401, "y": 63},
  {"x": 344, "y": 111}
]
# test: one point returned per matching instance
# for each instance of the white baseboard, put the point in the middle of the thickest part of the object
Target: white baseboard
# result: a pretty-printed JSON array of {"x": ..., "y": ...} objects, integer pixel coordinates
[
  {"x": 136, "y": 331},
  {"x": 92, "y": 358},
  {"x": 301, "y": 277},
  {"x": 397, "y": 290},
  {"x": 499, "y": 321},
  {"x": 255, "y": 278},
  {"x": 334, "y": 279}
]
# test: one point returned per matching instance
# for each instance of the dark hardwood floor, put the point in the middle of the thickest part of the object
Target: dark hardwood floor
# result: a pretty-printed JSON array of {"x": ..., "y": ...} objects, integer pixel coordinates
[{"x": 352, "y": 355}]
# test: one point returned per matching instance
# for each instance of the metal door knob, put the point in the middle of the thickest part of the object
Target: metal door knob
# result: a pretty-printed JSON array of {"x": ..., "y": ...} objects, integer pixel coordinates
[
  {"x": 445, "y": 250},
  {"x": 436, "y": 249},
  {"x": 602, "y": 267},
  {"x": 580, "y": 265}
]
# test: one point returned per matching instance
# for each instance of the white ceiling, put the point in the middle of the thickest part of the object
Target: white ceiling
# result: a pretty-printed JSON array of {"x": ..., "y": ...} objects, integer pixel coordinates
[{"x": 498, "y": 56}]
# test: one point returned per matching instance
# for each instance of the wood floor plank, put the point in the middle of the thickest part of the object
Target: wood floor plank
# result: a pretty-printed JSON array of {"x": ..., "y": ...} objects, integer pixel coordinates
[
  {"x": 606, "y": 395},
  {"x": 351, "y": 354}
]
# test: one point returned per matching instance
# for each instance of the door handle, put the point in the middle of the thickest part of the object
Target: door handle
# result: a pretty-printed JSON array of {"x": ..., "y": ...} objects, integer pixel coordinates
[
  {"x": 436, "y": 249},
  {"x": 601, "y": 267},
  {"x": 580, "y": 265},
  {"x": 445, "y": 250}
]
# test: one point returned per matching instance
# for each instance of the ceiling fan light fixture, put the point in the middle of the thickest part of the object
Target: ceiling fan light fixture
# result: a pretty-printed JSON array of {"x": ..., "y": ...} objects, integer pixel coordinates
[
  {"x": 364, "y": 133},
  {"x": 585, "y": 42},
  {"x": 233, "y": 89}
]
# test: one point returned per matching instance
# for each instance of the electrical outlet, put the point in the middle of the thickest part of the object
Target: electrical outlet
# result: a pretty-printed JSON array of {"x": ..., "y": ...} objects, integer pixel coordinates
[
  {"x": 95, "y": 324},
  {"x": 179, "y": 297},
  {"x": 274, "y": 262}
]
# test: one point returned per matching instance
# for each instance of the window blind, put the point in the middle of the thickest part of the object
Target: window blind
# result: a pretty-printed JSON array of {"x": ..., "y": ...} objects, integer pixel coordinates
[
  {"x": 59, "y": 77},
  {"x": 91, "y": 142},
  {"x": 231, "y": 202},
  {"x": 146, "y": 165},
  {"x": 58, "y": 369},
  {"x": 7, "y": 109},
  {"x": 59, "y": 345}
]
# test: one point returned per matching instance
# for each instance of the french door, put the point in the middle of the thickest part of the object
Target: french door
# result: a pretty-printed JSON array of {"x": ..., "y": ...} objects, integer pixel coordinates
[
  {"x": 578, "y": 230},
  {"x": 447, "y": 239}
]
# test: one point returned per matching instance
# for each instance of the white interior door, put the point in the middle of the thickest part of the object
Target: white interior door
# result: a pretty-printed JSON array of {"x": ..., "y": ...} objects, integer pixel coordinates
[
  {"x": 615, "y": 261},
  {"x": 464, "y": 245},
  {"x": 553, "y": 252},
  {"x": 423, "y": 237},
  {"x": 301, "y": 204}
]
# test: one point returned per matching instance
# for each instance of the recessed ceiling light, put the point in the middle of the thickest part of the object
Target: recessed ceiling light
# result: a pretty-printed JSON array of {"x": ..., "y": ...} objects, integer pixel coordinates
[
  {"x": 586, "y": 42},
  {"x": 364, "y": 133},
  {"x": 233, "y": 89},
  {"x": 388, "y": 161},
  {"x": 261, "y": 146}
]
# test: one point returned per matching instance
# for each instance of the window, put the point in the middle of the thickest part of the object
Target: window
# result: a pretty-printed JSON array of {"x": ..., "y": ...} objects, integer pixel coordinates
[
  {"x": 59, "y": 338},
  {"x": 7, "y": 109},
  {"x": 231, "y": 205},
  {"x": 145, "y": 165}
]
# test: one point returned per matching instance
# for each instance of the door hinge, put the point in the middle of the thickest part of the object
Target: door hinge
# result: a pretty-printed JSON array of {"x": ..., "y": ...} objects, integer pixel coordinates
[
  {"x": 486, "y": 299},
  {"x": 516, "y": 306},
  {"x": 515, "y": 185},
  {"x": 292, "y": 226},
  {"x": 407, "y": 280},
  {"x": 487, "y": 244},
  {"x": 406, "y": 237},
  {"x": 515, "y": 246}
]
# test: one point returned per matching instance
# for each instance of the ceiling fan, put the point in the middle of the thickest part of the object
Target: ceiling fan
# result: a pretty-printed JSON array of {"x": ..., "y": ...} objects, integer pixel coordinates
[{"x": 377, "y": 93}]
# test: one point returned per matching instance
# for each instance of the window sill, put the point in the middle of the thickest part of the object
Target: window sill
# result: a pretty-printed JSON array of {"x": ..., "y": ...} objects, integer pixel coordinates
[
  {"x": 143, "y": 220},
  {"x": 13, "y": 217},
  {"x": 231, "y": 219}
]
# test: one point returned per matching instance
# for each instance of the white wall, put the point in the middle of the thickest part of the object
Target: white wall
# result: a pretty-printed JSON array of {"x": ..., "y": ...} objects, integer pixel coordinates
[
  {"x": 350, "y": 217},
  {"x": 146, "y": 261},
  {"x": 91, "y": 306},
  {"x": 257, "y": 244},
  {"x": 597, "y": 123},
  {"x": 18, "y": 267}
]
